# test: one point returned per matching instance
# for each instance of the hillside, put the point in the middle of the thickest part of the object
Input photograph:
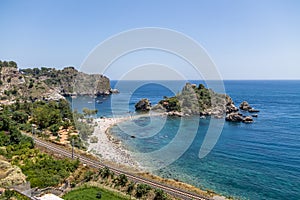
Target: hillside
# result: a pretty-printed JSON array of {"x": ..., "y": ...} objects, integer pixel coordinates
[{"x": 48, "y": 83}]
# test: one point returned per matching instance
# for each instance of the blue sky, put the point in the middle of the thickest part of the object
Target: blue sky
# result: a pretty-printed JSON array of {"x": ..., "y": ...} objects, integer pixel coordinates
[{"x": 246, "y": 39}]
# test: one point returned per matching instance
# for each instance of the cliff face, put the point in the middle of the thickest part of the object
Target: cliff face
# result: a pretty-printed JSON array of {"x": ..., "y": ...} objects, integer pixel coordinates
[
  {"x": 49, "y": 83},
  {"x": 94, "y": 84}
]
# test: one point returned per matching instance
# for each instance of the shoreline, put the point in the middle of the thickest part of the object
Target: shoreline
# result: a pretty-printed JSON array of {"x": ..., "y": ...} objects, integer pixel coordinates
[
  {"x": 111, "y": 151},
  {"x": 108, "y": 148}
]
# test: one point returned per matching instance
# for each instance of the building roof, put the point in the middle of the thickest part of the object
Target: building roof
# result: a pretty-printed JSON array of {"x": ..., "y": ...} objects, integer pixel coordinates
[{"x": 49, "y": 197}]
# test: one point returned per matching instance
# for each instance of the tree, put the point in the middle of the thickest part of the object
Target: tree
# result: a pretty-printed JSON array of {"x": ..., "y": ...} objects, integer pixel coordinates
[
  {"x": 105, "y": 172},
  {"x": 171, "y": 104},
  {"x": 122, "y": 180},
  {"x": 87, "y": 112},
  {"x": 20, "y": 117},
  {"x": 160, "y": 195},
  {"x": 36, "y": 71},
  {"x": 4, "y": 122},
  {"x": 64, "y": 107},
  {"x": 44, "y": 116},
  {"x": 4, "y": 64},
  {"x": 142, "y": 189},
  {"x": 201, "y": 87},
  {"x": 54, "y": 128},
  {"x": 4, "y": 139},
  {"x": 130, "y": 188},
  {"x": 15, "y": 135},
  {"x": 30, "y": 84},
  {"x": 12, "y": 64},
  {"x": 88, "y": 175}
]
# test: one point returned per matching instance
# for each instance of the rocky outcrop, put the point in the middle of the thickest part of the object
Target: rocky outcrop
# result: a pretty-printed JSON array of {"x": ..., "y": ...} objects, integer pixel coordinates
[
  {"x": 248, "y": 119},
  {"x": 252, "y": 110},
  {"x": 143, "y": 105},
  {"x": 234, "y": 117},
  {"x": 246, "y": 107},
  {"x": 54, "y": 96},
  {"x": 230, "y": 107},
  {"x": 10, "y": 175},
  {"x": 175, "y": 113},
  {"x": 238, "y": 117},
  {"x": 114, "y": 91}
]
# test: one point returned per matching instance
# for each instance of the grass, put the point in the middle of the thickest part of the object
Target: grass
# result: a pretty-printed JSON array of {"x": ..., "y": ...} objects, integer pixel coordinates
[
  {"x": 90, "y": 193},
  {"x": 10, "y": 194}
]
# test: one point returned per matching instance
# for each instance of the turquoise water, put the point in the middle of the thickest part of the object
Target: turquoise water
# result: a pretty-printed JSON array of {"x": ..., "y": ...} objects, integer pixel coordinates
[{"x": 250, "y": 161}]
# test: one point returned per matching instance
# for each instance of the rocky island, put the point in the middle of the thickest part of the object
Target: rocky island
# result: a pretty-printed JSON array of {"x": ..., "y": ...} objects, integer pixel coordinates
[{"x": 198, "y": 100}]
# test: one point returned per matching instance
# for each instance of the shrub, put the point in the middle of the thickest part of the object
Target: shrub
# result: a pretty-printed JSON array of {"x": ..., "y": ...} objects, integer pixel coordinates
[
  {"x": 160, "y": 195},
  {"x": 130, "y": 187},
  {"x": 99, "y": 195},
  {"x": 54, "y": 128},
  {"x": 88, "y": 175},
  {"x": 105, "y": 172},
  {"x": 94, "y": 139},
  {"x": 142, "y": 189},
  {"x": 121, "y": 180}
]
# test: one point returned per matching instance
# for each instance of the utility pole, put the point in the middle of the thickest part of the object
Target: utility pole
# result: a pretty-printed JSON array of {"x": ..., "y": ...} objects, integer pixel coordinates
[
  {"x": 72, "y": 148},
  {"x": 32, "y": 128}
]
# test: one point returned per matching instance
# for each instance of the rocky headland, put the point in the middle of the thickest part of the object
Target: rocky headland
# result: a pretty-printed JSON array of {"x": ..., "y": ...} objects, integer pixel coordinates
[{"x": 48, "y": 83}]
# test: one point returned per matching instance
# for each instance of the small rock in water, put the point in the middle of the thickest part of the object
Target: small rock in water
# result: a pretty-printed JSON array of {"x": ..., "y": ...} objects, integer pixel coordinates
[
  {"x": 143, "y": 105},
  {"x": 253, "y": 110},
  {"x": 238, "y": 117},
  {"x": 234, "y": 117},
  {"x": 245, "y": 106},
  {"x": 254, "y": 115},
  {"x": 248, "y": 119}
]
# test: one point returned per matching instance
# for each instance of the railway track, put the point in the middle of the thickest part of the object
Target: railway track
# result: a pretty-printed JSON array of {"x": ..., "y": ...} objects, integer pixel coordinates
[{"x": 96, "y": 164}]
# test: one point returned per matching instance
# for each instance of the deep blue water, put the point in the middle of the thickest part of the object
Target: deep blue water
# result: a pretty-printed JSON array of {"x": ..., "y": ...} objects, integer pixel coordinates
[{"x": 250, "y": 161}]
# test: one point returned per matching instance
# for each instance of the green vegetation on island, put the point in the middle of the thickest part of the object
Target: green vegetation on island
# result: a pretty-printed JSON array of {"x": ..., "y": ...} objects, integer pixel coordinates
[{"x": 193, "y": 100}]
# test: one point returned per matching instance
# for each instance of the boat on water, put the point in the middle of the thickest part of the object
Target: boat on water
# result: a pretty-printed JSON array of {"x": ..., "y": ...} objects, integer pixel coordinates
[{"x": 99, "y": 102}]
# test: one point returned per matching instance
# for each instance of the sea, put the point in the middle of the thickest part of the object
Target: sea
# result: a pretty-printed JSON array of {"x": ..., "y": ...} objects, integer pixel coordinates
[{"x": 260, "y": 160}]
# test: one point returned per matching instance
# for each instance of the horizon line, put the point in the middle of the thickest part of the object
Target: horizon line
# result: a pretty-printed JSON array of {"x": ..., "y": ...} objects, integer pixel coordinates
[{"x": 207, "y": 80}]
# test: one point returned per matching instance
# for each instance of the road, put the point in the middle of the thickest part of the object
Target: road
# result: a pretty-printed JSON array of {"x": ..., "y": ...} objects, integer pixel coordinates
[{"x": 179, "y": 193}]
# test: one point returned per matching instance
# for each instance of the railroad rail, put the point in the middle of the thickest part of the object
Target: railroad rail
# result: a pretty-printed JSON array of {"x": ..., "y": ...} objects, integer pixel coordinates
[{"x": 179, "y": 193}]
